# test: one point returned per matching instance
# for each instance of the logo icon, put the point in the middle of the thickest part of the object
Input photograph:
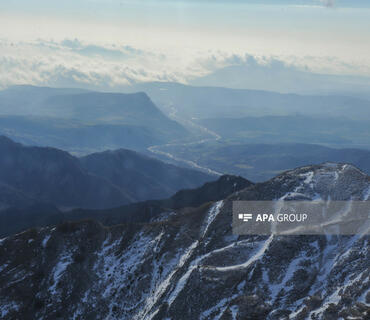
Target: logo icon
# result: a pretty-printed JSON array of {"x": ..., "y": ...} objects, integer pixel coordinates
[{"x": 245, "y": 216}]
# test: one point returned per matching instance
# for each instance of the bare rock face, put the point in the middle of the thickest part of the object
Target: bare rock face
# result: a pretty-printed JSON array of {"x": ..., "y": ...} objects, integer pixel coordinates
[{"x": 188, "y": 265}]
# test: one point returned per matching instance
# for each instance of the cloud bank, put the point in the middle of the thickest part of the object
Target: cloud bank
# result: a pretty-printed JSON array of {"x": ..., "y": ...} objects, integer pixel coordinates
[{"x": 109, "y": 67}]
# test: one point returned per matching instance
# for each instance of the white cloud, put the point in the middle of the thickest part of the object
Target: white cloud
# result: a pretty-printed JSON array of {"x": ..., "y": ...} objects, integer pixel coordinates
[
  {"x": 76, "y": 63},
  {"x": 72, "y": 63}
]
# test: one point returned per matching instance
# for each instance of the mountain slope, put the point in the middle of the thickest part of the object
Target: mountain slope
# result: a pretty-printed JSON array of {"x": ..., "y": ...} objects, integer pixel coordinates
[
  {"x": 82, "y": 121},
  {"x": 16, "y": 219},
  {"x": 210, "y": 102},
  {"x": 211, "y": 191},
  {"x": 143, "y": 177},
  {"x": 30, "y": 175},
  {"x": 113, "y": 108},
  {"x": 146, "y": 211},
  {"x": 26, "y": 99},
  {"x": 11, "y": 197},
  {"x": 74, "y": 136},
  {"x": 189, "y": 265},
  {"x": 54, "y": 176}
]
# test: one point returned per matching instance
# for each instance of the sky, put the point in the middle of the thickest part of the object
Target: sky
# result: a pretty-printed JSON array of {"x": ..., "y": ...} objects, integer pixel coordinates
[{"x": 111, "y": 43}]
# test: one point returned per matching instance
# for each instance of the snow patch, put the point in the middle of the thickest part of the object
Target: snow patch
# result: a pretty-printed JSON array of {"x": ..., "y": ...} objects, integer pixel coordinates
[
  {"x": 308, "y": 178},
  {"x": 234, "y": 311},
  {"x": 59, "y": 269},
  {"x": 260, "y": 252},
  {"x": 45, "y": 241},
  {"x": 6, "y": 308},
  {"x": 3, "y": 267},
  {"x": 366, "y": 194},
  {"x": 212, "y": 214},
  {"x": 206, "y": 314},
  {"x": 276, "y": 288},
  {"x": 164, "y": 285}
]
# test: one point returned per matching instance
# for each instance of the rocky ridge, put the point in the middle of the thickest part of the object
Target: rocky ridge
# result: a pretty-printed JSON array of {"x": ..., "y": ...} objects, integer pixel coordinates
[{"x": 187, "y": 264}]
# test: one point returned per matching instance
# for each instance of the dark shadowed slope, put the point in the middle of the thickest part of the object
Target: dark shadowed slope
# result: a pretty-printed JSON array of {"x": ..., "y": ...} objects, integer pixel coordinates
[
  {"x": 141, "y": 176},
  {"x": 54, "y": 176},
  {"x": 145, "y": 211},
  {"x": 211, "y": 191},
  {"x": 15, "y": 219},
  {"x": 103, "y": 180},
  {"x": 12, "y": 197}
]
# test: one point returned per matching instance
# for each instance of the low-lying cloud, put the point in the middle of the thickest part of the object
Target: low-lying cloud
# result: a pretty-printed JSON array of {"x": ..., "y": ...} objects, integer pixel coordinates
[{"x": 74, "y": 63}]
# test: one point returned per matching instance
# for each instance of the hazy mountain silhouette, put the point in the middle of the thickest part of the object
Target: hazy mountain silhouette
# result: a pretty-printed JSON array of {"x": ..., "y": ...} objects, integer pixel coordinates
[
  {"x": 209, "y": 102},
  {"x": 84, "y": 121},
  {"x": 37, "y": 174}
]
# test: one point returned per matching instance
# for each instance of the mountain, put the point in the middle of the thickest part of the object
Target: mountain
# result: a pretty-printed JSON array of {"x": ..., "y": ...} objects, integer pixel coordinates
[
  {"x": 143, "y": 212},
  {"x": 109, "y": 108},
  {"x": 77, "y": 137},
  {"x": 101, "y": 180},
  {"x": 143, "y": 177},
  {"x": 260, "y": 162},
  {"x": 84, "y": 121},
  {"x": 281, "y": 78},
  {"x": 189, "y": 265},
  {"x": 54, "y": 176},
  {"x": 220, "y": 102},
  {"x": 16, "y": 219},
  {"x": 210, "y": 191},
  {"x": 11, "y": 197},
  {"x": 26, "y": 99}
]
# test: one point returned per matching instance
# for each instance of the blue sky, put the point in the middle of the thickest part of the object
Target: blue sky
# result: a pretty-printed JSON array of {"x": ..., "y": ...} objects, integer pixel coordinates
[{"x": 177, "y": 40}]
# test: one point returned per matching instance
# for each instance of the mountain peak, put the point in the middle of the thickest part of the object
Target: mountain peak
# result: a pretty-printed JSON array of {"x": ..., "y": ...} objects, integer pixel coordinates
[
  {"x": 148, "y": 270},
  {"x": 336, "y": 181}
]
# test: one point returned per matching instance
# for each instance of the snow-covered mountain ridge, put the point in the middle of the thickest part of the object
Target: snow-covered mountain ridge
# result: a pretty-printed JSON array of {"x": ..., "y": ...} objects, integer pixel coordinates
[{"x": 189, "y": 265}]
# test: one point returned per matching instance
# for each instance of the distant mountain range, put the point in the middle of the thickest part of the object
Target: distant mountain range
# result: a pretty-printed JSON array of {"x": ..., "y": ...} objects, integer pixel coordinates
[
  {"x": 260, "y": 162},
  {"x": 222, "y": 102},
  {"x": 282, "y": 78},
  {"x": 187, "y": 263},
  {"x": 84, "y": 121},
  {"x": 30, "y": 175}
]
